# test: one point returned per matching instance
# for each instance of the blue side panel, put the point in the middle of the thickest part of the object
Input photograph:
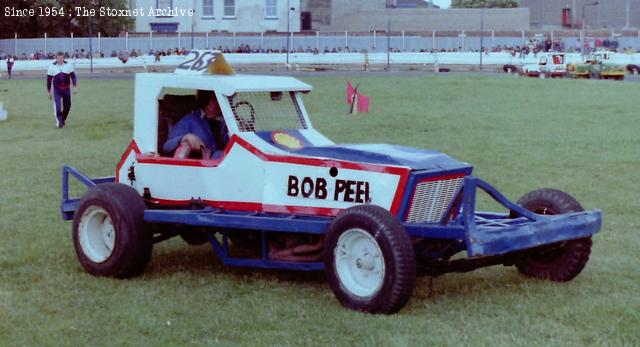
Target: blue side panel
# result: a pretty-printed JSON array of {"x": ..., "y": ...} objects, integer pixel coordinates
[{"x": 241, "y": 220}]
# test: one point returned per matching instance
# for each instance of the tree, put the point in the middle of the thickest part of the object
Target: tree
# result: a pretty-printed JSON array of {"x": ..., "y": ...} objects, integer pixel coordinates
[
  {"x": 486, "y": 3},
  {"x": 61, "y": 25}
]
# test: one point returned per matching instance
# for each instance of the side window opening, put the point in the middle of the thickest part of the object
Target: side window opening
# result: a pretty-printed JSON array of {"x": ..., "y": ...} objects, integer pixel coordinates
[{"x": 173, "y": 106}]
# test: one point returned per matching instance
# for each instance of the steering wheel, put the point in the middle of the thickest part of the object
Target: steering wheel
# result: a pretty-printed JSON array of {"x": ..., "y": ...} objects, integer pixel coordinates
[{"x": 245, "y": 114}]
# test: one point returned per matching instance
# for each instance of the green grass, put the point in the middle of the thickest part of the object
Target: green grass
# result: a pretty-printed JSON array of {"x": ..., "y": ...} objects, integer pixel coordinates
[{"x": 520, "y": 134}]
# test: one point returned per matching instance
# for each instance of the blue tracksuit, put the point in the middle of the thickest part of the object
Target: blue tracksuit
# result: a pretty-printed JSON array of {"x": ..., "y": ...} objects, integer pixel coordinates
[
  {"x": 61, "y": 77},
  {"x": 197, "y": 124}
]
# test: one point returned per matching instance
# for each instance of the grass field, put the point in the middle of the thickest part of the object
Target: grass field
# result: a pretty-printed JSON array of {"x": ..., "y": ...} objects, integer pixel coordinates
[{"x": 520, "y": 134}]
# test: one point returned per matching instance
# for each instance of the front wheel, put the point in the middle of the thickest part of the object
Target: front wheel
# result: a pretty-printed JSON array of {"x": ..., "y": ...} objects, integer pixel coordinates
[
  {"x": 110, "y": 236},
  {"x": 560, "y": 262},
  {"x": 369, "y": 260}
]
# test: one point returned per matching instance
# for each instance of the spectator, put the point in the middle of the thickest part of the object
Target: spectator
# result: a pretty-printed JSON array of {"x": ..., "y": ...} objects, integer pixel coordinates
[{"x": 10, "y": 62}]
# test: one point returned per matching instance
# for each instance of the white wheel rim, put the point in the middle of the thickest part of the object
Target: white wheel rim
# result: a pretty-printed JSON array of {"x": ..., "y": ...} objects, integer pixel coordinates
[
  {"x": 359, "y": 263},
  {"x": 97, "y": 234}
]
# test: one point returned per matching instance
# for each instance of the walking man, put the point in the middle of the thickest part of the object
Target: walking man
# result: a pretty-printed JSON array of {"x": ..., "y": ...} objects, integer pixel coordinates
[
  {"x": 10, "y": 62},
  {"x": 62, "y": 75}
]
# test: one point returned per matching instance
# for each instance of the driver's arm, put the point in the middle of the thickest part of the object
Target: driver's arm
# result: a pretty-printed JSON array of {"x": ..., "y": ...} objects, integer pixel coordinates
[{"x": 176, "y": 134}]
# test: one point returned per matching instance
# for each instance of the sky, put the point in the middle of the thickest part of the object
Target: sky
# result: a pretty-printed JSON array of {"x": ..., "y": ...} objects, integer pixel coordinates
[{"x": 442, "y": 3}]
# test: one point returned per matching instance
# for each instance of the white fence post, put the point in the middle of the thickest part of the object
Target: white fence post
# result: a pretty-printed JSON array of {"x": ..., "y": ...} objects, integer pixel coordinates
[
  {"x": 179, "y": 41},
  {"x": 150, "y": 40},
  {"x": 15, "y": 44},
  {"x": 291, "y": 45},
  {"x": 234, "y": 40},
  {"x": 45, "y": 44},
  {"x": 126, "y": 41},
  {"x": 433, "y": 40},
  {"x": 346, "y": 39},
  {"x": 99, "y": 44},
  {"x": 403, "y": 46},
  {"x": 523, "y": 42},
  {"x": 72, "y": 48},
  {"x": 206, "y": 39},
  {"x": 493, "y": 38},
  {"x": 318, "y": 40},
  {"x": 374, "y": 39},
  {"x": 262, "y": 40}
]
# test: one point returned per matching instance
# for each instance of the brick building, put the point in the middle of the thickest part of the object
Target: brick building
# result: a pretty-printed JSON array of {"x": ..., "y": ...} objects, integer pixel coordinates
[
  {"x": 611, "y": 14},
  {"x": 367, "y": 15},
  {"x": 217, "y": 15}
]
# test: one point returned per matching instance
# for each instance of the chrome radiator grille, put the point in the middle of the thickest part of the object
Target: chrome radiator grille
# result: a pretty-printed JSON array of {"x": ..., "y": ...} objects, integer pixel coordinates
[{"x": 431, "y": 199}]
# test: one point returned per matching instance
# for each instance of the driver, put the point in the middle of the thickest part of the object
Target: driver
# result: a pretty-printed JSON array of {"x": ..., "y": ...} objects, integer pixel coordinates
[{"x": 202, "y": 130}]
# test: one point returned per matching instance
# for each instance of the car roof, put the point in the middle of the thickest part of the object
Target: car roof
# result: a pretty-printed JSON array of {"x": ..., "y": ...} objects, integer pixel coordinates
[{"x": 226, "y": 85}]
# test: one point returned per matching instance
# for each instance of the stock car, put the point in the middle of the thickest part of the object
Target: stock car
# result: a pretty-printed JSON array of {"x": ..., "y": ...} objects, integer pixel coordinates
[
  {"x": 549, "y": 65},
  {"x": 599, "y": 65},
  {"x": 284, "y": 196}
]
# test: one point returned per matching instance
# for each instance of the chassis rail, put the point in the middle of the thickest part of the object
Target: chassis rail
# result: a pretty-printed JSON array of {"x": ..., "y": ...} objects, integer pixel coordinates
[{"x": 481, "y": 234}]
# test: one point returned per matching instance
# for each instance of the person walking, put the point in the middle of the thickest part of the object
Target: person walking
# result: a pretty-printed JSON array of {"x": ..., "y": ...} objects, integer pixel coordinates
[
  {"x": 10, "y": 62},
  {"x": 59, "y": 77}
]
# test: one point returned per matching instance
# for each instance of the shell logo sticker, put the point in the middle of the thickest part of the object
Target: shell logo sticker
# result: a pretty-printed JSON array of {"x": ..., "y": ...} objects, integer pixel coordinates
[{"x": 286, "y": 140}]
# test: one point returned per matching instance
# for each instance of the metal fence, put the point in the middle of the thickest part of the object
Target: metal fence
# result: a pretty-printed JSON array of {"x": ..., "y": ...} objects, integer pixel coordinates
[{"x": 372, "y": 42}]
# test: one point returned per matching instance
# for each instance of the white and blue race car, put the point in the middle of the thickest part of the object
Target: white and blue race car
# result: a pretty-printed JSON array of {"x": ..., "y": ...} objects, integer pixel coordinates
[{"x": 282, "y": 195}]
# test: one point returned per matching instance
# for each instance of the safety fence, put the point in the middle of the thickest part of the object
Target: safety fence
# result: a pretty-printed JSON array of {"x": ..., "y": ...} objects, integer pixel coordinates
[
  {"x": 297, "y": 60},
  {"x": 371, "y": 42}
]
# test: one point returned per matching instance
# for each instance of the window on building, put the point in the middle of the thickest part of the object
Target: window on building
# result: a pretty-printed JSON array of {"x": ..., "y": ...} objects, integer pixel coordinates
[
  {"x": 207, "y": 8},
  {"x": 229, "y": 8},
  {"x": 272, "y": 9},
  {"x": 163, "y": 5}
]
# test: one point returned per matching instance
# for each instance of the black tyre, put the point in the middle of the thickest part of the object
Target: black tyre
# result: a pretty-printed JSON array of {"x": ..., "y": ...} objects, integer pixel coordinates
[
  {"x": 110, "y": 236},
  {"x": 560, "y": 262},
  {"x": 369, "y": 260}
]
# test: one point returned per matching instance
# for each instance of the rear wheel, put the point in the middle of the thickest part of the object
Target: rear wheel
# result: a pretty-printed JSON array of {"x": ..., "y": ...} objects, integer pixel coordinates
[
  {"x": 559, "y": 262},
  {"x": 369, "y": 260},
  {"x": 110, "y": 236}
]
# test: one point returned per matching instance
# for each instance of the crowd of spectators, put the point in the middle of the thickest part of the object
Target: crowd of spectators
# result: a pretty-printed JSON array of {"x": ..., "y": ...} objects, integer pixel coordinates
[{"x": 534, "y": 46}]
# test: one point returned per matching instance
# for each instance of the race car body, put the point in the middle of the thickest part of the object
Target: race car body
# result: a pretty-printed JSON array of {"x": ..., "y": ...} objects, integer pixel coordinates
[
  {"x": 549, "y": 65},
  {"x": 600, "y": 65},
  {"x": 370, "y": 215}
]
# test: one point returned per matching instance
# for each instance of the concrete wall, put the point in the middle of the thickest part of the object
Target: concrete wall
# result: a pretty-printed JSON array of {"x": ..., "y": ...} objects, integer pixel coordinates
[
  {"x": 250, "y": 17},
  {"x": 330, "y": 59},
  {"x": 609, "y": 13},
  {"x": 372, "y": 15}
]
